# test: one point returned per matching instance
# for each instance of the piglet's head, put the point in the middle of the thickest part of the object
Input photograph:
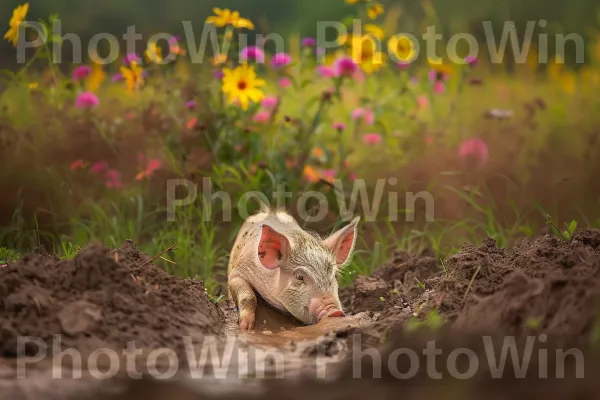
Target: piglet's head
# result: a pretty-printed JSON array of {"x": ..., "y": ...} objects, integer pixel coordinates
[{"x": 307, "y": 283}]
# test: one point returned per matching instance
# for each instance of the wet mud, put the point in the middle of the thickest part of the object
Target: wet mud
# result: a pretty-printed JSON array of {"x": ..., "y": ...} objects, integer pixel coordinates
[{"x": 543, "y": 296}]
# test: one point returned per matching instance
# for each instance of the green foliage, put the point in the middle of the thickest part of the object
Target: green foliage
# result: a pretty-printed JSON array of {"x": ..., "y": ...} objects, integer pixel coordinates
[{"x": 8, "y": 255}]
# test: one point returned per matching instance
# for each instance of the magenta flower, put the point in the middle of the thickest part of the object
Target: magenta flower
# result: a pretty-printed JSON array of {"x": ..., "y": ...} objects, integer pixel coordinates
[
  {"x": 269, "y": 102},
  {"x": 309, "y": 42},
  {"x": 87, "y": 100},
  {"x": 372, "y": 138},
  {"x": 474, "y": 149},
  {"x": 472, "y": 61},
  {"x": 190, "y": 105},
  {"x": 328, "y": 173},
  {"x": 281, "y": 60},
  {"x": 113, "y": 180},
  {"x": 345, "y": 66},
  {"x": 261, "y": 117},
  {"x": 439, "y": 87},
  {"x": 117, "y": 77},
  {"x": 81, "y": 72},
  {"x": 131, "y": 57},
  {"x": 339, "y": 126},
  {"x": 285, "y": 82},
  {"x": 364, "y": 114},
  {"x": 98, "y": 167},
  {"x": 326, "y": 71},
  {"x": 402, "y": 65},
  {"x": 252, "y": 53},
  {"x": 218, "y": 74}
]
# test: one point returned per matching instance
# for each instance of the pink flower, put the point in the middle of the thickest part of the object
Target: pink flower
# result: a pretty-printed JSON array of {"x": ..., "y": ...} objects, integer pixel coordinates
[
  {"x": 261, "y": 117},
  {"x": 81, "y": 72},
  {"x": 372, "y": 138},
  {"x": 269, "y": 102},
  {"x": 328, "y": 173},
  {"x": 131, "y": 57},
  {"x": 339, "y": 126},
  {"x": 474, "y": 149},
  {"x": 439, "y": 87},
  {"x": 117, "y": 77},
  {"x": 472, "y": 61},
  {"x": 436, "y": 76},
  {"x": 326, "y": 71},
  {"x": 87, "y": 100},
  {"x": 113, "y": 180},
  {"x": 98, "y": 167},
  {"x": 345, "y": 66},
  {"x": 281, "y": 60},
  {"x": 285, "y": 82},
  {"x": 309, "y": 42},
  {"x": 152, "y": 165},
  {"x": 253, "y": 53},
  {"x": 422, "y": 101},
  {"x": 365, "y": 114},
  {"x": 352, "y": 176},
  {"x": 190, "y": 104},
  {"x": 218, "y": 74},
  {"x": 402, "y": 65}
]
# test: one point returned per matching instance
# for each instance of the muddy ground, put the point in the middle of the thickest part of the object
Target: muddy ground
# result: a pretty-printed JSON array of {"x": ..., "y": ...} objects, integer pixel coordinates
[{"x": 543, "y": 293}]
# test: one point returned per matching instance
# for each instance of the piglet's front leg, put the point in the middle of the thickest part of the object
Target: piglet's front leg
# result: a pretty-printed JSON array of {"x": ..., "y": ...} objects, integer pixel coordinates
[{"x": 245, "y": 299}]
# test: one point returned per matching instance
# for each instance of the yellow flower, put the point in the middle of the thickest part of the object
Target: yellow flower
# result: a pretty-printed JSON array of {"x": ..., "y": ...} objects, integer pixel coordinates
[
  {"x": 357, "y": 1},
  {"x": 375, "y": 31},
  {"x": 96, "y": 78},
  {"x": 153, "y": 53},
  {"x": 33, "y": 85},
  {"x": 364, "y": 52},
  {"x": 132, "y": 76},
  {"x": 402, "y": 47},
  {"x": 19, "y": 14},
  {"x": 375, "y": 10},
  {"x": 555, "y": 67},
  {"x": 227, "y": 17},
  {"x": 439, "y": 66},
  {"x": 242, "y": 84}
]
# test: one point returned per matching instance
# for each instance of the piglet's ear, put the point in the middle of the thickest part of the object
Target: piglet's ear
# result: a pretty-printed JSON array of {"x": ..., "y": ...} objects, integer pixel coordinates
[
  {"x": 273, "y": 248},
  {"x": 342, "y": 242}
]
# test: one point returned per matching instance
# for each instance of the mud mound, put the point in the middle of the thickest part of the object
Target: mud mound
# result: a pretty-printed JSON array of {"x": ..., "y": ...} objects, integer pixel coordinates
[
  {"x": 100, "y": 298},
  {"x": 548, "y": 286}
]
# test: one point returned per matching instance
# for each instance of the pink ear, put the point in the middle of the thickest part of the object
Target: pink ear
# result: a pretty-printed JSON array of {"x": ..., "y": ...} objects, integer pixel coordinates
[
  {"x": 272, "y": 248},
  {"x": 342, "y": 241}
]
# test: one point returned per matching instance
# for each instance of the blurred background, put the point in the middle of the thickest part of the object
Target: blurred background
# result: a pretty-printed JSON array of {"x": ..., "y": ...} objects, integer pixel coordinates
[{"x": 88, "y": 17}]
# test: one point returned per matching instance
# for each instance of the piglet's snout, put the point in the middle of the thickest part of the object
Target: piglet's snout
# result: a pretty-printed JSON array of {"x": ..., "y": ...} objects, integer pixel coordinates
[{"x": 322, "y": 307}]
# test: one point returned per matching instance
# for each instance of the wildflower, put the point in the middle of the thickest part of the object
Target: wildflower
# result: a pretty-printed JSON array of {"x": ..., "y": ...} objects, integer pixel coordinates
[
  {"x": 439, "y": 87},
  {"x": 33, "y": 85},
  {"x": 242, "y": 84},
  {"x": 374, "y": 30},
  {"x": 474, "y": 149},
  {"x": 77, "y": 164},
  {"x": 81, "y": 72},
  {"x": 98, "y": 167},
  {"x": 132, "y": 58},
  {"x": 310, "y": 174},
  {"x": 285, "y": 82},
  {"x": 113, "y": 180},
  {"x": 317, "y": 152},
  {"x": 365, "y": 53},
  {"x": 154, "y": 53},
  {"x": 174, "y": 46},
  {"x": 437, "y": 76},
  {"x": 218, "y": 74},
  {"x": 328, "y": 175},
  {"x": 133, "y": 76},
  {"x": 339, "y": 126},
  {"x": 402, "y": 65},
  {"x": 422, "y": 101},
  {"x": 117, "y": 77},
  {"x": 326, "y": 71},
  {"x": 191, "y": 123},
  {"x": 345, "y": 66},
  {"x": 365, "y": 114},
  {"x": 253, "y": 53},
  {"x": 375, "y": 10},
  {"x": 472, "y": 61},
  {"x": 97, "y": 76},
  {"x": 439, "y": 71},
  {"x": 309, "y": 42},
  {"x": 357, "y": 1},
  {"x": 227, "y": 17},
  {"x": 372, "y": 138},
  {"x": 190, "y": 104},
  {"x": 87, "y": 100},
  {"x": 18, "y": 15},
  {"x": 402, "y": 48},
  {"x": 281, "y": 60},
  {"x": 219, "y": 59},
  {"x": 153, "y": 165},
  {"x": 269, "y": 102},
  {"x": 261, "y": 117}
]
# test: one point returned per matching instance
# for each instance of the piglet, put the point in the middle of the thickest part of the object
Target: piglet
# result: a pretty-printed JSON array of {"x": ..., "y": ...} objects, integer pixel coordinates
[{"x": 294, "y": 270}]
